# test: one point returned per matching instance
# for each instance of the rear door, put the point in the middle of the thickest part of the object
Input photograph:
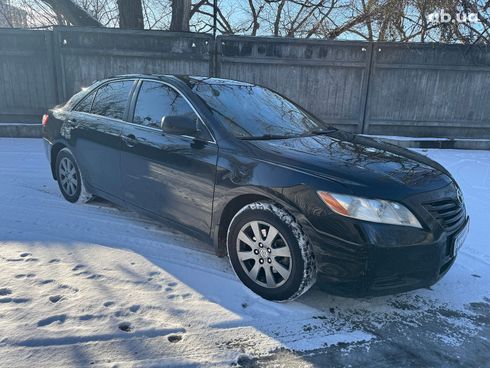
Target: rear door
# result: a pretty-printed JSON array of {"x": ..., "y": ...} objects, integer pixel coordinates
[
  {"x": 171, "y": 176},
  {"x": 96, "y": 125}
]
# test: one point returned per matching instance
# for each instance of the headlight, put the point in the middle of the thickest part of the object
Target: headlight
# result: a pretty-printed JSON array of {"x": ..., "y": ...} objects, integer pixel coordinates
[{"x": 375, "y": 210}]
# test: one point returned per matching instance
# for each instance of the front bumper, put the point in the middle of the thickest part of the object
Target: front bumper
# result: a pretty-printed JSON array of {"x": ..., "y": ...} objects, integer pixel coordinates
[
  {"x": 376, "y": 270},
  {"x": 356, "y": 258}
]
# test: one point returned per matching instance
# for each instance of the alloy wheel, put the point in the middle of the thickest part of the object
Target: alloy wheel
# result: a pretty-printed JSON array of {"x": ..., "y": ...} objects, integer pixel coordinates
[
  {"x": 68, "y": 176},
  {"x": 264, "y": 254}
]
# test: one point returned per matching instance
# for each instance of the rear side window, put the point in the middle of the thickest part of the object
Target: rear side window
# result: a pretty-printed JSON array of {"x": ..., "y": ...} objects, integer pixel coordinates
[
  {"x": 156, "y": 100},
  {"x": 86, "y": 104},
  {"x": 111, "y": 99}
]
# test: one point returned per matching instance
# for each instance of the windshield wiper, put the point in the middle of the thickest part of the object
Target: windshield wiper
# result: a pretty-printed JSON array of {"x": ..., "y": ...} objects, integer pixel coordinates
[
  {"x": 266, "y": 137},
  {"x": 284, "y": 136},
  {"x": 322, "y": 131}
]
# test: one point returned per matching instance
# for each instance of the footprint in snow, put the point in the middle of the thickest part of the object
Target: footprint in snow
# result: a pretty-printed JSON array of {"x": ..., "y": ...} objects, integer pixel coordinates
[
  {"x": 83, "y": 273},
  {"x": 60, "y": 319},
  {"x": 14, "y": 300},
  {"x": 68, "y": 287},
  {"x": 108, "y": 304},
  {"x": 45, "y": 282},
  {"x": 134, "y": 308},
  {"x": 96, "y": 276},
  {"x": 174, "y": 338},
  {"x": 32, "y": 260},
  {"x": 120, "y": 314},
  {"x": 125, "y": 326},
  {"x": 246, "y": 361},
  {"x": 152, "y": 275},
  {"x": 55, "y": 260},
  {"x": 55, "y": 298},
  {"x": 78, "y": 267},
  {"x": 172, "y": 284},
  {"x": 180, "y": 296},
  {"x": 5, "y": 291},
  {"x": 23, "y": 255}
]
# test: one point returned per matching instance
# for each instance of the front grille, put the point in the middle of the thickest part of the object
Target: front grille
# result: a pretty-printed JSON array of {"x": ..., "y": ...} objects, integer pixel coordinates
[{"x": 449, "y": 212}]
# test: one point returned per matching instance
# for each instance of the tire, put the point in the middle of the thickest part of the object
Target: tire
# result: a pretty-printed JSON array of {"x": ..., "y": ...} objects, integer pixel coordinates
[
  {"x": 277, "y": 267},
  {"x": 69, "y": 178}
]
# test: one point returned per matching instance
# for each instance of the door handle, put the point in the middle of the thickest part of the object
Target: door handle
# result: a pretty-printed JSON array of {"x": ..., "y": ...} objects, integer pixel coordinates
[{"x": 129, "y": 140}]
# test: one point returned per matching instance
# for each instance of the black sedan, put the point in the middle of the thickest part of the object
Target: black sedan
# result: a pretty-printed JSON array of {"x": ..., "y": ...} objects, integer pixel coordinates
[{"x": 288, "y": 198}]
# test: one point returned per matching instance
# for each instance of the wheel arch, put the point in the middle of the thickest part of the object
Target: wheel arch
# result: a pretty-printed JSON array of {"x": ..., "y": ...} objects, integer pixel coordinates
[
  {"x": 57, "y": 147},
  {"x": 235, "y": 204}
]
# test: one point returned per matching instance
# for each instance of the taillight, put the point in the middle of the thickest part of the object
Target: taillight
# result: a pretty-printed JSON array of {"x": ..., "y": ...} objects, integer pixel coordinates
[{"x": 45, "y": 120}]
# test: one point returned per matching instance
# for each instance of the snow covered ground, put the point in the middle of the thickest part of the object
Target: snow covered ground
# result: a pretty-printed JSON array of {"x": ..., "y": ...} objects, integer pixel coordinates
[{"x": 95, "y": 285}]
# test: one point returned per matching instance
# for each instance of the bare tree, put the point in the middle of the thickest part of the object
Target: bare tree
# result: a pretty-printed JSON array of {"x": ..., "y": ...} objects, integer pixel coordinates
[
  {"x": 72, "y": 12},
  {"x": 370, "y": 20},
  {"x": 105, "y": 11},
  {"x": 6, "y": 16},
  {"x": 157, "y": 14},
  {"x": 181, "y": 14},
  {"x": 130, "y": 14}
]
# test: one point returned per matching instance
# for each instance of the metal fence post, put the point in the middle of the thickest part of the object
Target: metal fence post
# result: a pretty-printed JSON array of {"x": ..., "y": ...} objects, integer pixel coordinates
[
  {"x": 370, "y": 58},
  {"x": 58, "y": 65}
]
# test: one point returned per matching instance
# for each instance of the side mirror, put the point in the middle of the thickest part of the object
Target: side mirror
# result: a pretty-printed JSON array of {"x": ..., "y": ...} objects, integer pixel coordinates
[{"x": 179, "y": 125}]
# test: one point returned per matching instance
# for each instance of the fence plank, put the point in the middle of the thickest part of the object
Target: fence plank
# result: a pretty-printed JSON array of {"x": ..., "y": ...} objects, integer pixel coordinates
[
  {"x": 376, "y": 88},
  {"x": 88, "y": 54},
  {"x": 429, "y": 90},
  {"x": 328, "y": 78},
  {"x": 27, "y": 81}
]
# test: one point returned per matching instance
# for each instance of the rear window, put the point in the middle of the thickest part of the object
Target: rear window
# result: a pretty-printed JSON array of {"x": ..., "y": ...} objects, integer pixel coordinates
[
  {"x": 73, "y": 102},
  {"x": 111, "y": 99},
  {"x": 86, "y": 104}
]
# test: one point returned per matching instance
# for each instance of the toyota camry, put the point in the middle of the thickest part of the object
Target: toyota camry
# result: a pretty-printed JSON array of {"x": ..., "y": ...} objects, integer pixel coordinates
[{"x": 289, "y": 199}]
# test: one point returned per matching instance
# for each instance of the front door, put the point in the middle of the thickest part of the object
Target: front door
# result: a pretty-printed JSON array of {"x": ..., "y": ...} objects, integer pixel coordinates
[{"x": 171, "y": 176}]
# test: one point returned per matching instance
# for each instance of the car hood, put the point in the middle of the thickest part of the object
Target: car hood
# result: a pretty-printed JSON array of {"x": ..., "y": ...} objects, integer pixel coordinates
[{"x": 366, "y": 166}]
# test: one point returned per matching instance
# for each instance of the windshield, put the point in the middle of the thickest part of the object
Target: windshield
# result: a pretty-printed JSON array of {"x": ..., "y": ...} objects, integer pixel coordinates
[{"x": 249, "y": 111}]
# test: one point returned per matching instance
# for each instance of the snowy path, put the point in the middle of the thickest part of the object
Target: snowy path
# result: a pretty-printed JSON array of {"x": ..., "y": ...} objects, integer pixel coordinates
[{"x": 93, "y": 284}]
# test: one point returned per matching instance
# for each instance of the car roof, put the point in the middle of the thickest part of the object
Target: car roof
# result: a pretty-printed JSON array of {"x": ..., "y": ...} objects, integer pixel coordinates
[{"x": 190, "y": 80}]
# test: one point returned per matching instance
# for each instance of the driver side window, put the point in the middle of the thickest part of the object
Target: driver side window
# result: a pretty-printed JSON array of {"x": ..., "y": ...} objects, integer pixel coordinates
[{"x": 156, "y": 100}]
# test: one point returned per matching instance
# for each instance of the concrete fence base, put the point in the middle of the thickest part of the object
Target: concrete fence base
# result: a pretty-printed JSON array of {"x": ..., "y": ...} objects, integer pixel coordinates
[
  {"x": 440, "y": 143},
  {"x": 21, "y": 130}
]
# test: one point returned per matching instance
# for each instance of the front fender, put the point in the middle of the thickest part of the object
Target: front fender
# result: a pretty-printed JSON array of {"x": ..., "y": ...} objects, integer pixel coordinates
[{"x": 241, "y": 180}]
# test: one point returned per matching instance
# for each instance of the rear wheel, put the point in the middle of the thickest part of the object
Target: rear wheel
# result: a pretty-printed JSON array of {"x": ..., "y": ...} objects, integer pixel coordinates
[
  {"x": 69, "y": 178},
  {"x": 270, "y": 253}
]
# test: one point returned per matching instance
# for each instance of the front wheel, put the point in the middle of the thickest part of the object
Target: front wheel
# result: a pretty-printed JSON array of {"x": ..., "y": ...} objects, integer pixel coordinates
[
  {"x": 270, "y": 253},
  {"x": 69, "y": 178}
]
